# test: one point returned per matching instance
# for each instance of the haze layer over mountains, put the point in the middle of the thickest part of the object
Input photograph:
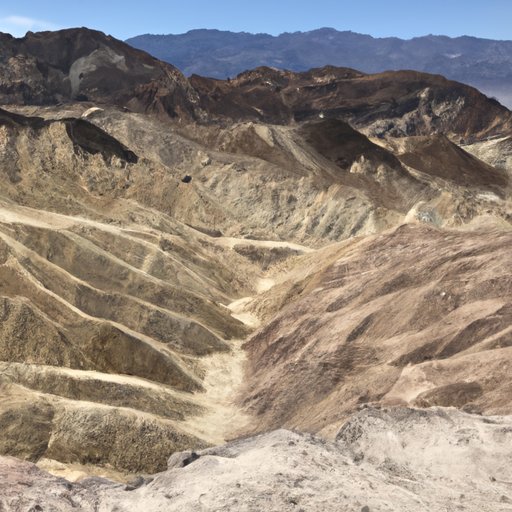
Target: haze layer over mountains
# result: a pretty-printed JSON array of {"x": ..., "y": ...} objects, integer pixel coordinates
[{"x": 311, "y": 265}]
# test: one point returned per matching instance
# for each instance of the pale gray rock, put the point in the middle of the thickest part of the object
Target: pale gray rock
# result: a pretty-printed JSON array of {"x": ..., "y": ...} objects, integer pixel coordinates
[{"x": 398, "y": 459}]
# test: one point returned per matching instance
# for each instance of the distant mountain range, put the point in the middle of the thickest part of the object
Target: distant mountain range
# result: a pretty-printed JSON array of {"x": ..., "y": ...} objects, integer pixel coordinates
[{"x": 483, "y": 63}]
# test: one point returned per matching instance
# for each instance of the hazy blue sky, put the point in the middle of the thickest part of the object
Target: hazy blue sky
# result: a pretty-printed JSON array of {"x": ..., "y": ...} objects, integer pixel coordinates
[{"x": 402, "y": 18}]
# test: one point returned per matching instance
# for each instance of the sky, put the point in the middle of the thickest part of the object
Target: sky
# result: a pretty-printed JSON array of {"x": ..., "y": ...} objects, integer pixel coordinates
[{"x": 380, "y": 18}]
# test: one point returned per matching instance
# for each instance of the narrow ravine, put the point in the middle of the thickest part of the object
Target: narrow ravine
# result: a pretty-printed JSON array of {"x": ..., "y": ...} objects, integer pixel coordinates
[{"x": 224, "y": 375}]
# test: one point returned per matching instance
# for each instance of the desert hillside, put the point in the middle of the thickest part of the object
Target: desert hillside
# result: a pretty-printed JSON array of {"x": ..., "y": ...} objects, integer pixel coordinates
[{"x": 185, "y": 263}]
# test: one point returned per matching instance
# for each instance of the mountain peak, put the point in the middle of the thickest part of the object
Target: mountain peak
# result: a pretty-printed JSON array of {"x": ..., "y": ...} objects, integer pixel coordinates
[{"x": 88, "y": 65}]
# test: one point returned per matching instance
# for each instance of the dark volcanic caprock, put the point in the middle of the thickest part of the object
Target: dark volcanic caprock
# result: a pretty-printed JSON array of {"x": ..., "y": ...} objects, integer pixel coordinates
[{"x": 85, "y": 65}]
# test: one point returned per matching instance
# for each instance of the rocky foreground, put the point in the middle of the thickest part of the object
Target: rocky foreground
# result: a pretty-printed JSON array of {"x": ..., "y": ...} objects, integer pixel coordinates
[{"x": 382, "y": 460}]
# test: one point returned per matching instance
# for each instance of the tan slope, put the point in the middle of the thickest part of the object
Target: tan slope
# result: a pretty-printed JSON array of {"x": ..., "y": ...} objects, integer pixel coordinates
[
  {"x": 412, "y": 316},
  {"x": 496, "y": 151},
  {"x": 104, "y": 298}
]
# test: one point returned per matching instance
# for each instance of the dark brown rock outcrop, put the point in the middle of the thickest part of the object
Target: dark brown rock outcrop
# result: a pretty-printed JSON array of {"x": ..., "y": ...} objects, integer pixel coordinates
[
  {"x": 86, "y": 65},
  {"x": 391, "y": 103}
]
